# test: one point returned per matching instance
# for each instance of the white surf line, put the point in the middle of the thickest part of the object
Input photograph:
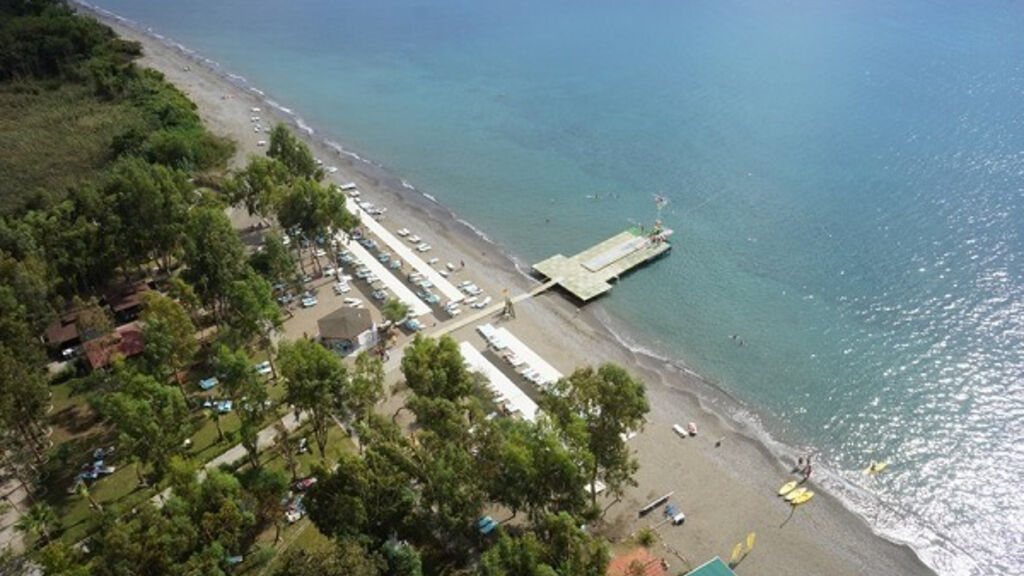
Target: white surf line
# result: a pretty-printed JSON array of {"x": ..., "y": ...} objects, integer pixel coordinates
[
  {"x": 398, "y": 246},
  {"x": 416, "y": 306}
]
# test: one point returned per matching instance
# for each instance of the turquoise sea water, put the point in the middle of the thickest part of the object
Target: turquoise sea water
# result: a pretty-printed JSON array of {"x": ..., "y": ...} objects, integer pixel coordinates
[{"x": 846, "y": 182}]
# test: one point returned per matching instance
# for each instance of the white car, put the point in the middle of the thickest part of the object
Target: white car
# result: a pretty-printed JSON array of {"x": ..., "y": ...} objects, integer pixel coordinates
[
  {"x": 353, "y": 302},
  {"x": 432, "y": 261},
  {"x": 341, "y": 288},
  {"x": 414, "y": 239},
  {"x": 332, "y": 169},
  {"x": 423, "y": 247},
  {"x": 330, "y": 272},
  {"x": 402, "y": 232},
  {"x": 483, "y": 303},
  {"x": 320, "y": 252}
]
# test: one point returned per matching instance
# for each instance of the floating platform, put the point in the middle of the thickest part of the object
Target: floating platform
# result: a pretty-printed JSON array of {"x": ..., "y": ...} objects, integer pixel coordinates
[{"x": 588, "y": 274}]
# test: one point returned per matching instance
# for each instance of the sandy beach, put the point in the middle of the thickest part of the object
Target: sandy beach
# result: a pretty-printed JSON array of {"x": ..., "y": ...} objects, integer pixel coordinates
[{"x": 725, "y": 491}]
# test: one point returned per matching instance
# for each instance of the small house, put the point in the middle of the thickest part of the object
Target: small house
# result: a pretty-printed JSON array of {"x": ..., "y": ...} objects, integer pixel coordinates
[
  {"x": 347, "y": 330},
  {"x": 125, "y": 341}
]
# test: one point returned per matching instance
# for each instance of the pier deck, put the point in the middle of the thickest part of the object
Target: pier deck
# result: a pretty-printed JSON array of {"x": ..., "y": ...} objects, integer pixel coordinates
[{"x": 588, "y": 274}]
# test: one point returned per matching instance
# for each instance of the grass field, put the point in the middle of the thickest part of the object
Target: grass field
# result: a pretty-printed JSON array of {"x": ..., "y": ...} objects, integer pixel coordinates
[{"x": 54, "y": 137}]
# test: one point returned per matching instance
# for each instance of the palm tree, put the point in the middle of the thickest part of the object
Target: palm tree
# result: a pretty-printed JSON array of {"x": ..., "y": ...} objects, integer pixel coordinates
[{"x": 37, "y": 521}]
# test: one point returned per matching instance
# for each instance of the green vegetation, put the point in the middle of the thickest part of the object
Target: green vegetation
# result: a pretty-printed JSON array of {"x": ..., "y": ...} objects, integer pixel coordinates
[
  {"x": 125, "y": 208},
  {"x": 55, "y": 138}
]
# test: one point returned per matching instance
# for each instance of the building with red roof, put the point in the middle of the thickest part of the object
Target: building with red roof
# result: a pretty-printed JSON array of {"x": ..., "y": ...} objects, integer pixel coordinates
[
  {"x": 639, "y": 561},
  {"x": 125, "y": 341}
]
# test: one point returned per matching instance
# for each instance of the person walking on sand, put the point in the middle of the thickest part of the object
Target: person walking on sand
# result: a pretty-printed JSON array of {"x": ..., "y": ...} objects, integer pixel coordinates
[{"x": 807, "y": 470}]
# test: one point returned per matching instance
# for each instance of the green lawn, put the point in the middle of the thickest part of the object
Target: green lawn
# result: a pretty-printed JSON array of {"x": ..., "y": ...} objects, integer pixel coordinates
[
  {"x": 77, "y": 432},
  {"x": 54, "y": 138}
]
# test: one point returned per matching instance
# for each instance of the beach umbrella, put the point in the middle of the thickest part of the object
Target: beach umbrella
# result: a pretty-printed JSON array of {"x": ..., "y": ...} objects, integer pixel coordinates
[{"x": 750, "y": 541}]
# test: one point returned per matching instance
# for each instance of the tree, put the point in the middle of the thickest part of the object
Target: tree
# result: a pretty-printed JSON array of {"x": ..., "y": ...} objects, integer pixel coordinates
[
  {"x": 267, "y": 488},
  {"x": 151, "y": 419},
  {"x": 525, "y": 467},
  {"x": 521, "y": 556},
  {"x": 285, "y": 447},
  {"x": 451, "y": 494},
  {"x": 292, "y": 153},
  {"x": 235, "y": 371},
  {"x": 259, "y": 186},
  {"x": 366, "y": 387},
  {"x": 24, "y": 397},
  {"x": 252, "y": 313},
  {"x": 150, "y": 202},
  {"x": 213, "y": 256},
  {"x": 340, "y": 558},
  {"x": 435, "y": 369},
  {"x": 593, "y": 411},
  {"x": 170, "y": 338},
  {"x": 402, "y": 560},
  {"x": 554, "y": 547},
  {"x": 92, "y": 320},
  {"x": 338, "y": 503},
  {"x": 315, "y": 211},
  {"x": 316, "y": 381},
  {"x": 273, "y": 261},
  {"x": 39, "y": 521},
  {"x": 181, "y": 291},
  {"x": 60, "y": 559},
  {"x": 394, "y": 310}
]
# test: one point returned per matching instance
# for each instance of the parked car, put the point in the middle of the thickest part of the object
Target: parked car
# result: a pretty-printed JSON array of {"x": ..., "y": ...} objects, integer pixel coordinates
[
  {"x": 341, "y": 288},
  {"x": 413, "y": 325},
  {"x": 380, "y": 295}
]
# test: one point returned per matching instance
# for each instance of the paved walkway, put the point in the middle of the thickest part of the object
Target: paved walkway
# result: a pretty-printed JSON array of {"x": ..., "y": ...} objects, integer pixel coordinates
[{"x": 264, "y": 440}]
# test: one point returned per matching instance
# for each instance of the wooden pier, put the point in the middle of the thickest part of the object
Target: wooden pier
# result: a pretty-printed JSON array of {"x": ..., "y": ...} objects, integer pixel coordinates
[{"x": 588, "y": 274}]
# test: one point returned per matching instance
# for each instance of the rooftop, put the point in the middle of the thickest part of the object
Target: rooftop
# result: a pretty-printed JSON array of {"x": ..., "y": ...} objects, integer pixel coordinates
[
  {"x": 588, "y": 274},
  {"x": 713, "y": 567},
  {"x": 125, "y": 340},
  {"x": 625, "y": 565},
  {"x": 345, "y": 323}
]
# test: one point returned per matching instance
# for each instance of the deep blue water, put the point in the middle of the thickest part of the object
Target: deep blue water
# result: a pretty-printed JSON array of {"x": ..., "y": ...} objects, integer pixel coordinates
[{"x": 846, "y": 182}]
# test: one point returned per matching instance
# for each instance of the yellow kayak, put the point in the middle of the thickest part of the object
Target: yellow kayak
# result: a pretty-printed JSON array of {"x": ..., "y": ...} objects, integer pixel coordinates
[
  {"x": 796, "y": 494},
  {"x": 787, "y": 487},
  {"x": 807, "y": 495},
  {"x": 875, "y": 468}
]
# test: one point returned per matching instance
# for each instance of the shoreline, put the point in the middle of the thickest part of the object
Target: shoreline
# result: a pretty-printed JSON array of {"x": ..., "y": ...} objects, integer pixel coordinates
[{"x": 824, "y": 537}]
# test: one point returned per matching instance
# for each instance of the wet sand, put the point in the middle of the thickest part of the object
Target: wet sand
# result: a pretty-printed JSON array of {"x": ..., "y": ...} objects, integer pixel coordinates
[{"x": 725, "y": 492}]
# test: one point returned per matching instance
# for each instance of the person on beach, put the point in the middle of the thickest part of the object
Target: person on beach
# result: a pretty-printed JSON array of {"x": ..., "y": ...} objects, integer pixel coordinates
[{"x": 807, "y": 469}]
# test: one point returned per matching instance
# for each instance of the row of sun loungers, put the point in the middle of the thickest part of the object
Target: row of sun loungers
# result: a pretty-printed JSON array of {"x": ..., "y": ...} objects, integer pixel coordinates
[
  {"x": 505, "y": 391},
  {"x": 526, "y": 362}
]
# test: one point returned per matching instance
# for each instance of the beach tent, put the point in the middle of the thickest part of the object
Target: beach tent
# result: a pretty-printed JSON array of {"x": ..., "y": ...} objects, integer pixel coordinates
[{"x": 713, "y": 567}]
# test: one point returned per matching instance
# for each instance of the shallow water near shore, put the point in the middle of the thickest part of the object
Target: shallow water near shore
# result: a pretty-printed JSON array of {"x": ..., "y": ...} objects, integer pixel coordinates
[{"x": 846, "y": 185}]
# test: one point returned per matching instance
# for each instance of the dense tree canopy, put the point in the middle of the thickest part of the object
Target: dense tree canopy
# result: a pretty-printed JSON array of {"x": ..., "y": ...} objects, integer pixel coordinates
[
  {"x": 316, "y": 380},
  {"x": 293, "y": 154},
  {"x": 594, "y": 410},
  {"x": 151, "y": 419}
]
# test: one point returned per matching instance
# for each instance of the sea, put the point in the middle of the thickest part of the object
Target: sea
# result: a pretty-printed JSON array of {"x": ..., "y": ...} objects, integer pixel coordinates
[{"x": 845, "y": 179}]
